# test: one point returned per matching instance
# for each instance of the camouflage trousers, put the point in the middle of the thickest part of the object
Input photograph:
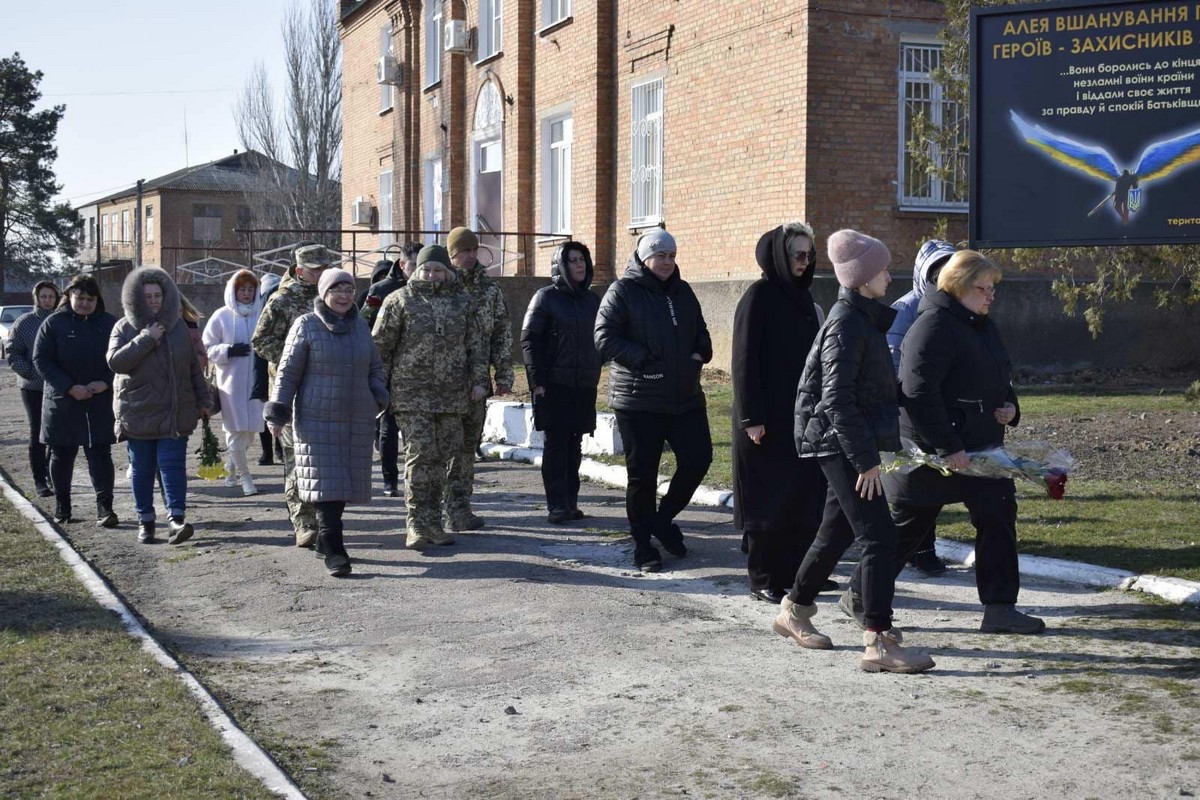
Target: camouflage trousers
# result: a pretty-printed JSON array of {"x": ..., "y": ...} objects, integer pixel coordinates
[
  {"x": 430, "y": 441},
  {"x": 303, "y": 515},
  {"x": 461, "y": 481}
]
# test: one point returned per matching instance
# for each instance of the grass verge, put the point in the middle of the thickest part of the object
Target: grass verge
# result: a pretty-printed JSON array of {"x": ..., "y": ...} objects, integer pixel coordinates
[{"x": 84, "y": 712}]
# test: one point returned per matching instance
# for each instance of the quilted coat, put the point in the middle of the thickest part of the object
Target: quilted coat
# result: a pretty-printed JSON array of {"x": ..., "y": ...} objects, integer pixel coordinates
[
  {"x": 230, "y": 325},
  {"x": 159, "y": 386},
  {"x": 69, "y": 350},
  {"x": 329, "y": 386}
]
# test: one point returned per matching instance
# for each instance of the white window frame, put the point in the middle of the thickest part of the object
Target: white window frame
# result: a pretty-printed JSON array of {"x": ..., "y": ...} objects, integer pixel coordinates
[
  {"x": 149, "y": 223},
  {"x": 387, "y": 92},
  {"x": 919, "y": 56},
  {"x": 646, "y": 152},
  {"x": 491, "y": 28},
  {"x": 557, "y": 177},
  {"x": 555, "y": 11},
  {"x": 434, "y": 32},
  {"x": 104, "y": 230},
  {"x": 431, "y": 181},
  {"x": 386, "y": 220},
  {"x": 125, "y": 237}
]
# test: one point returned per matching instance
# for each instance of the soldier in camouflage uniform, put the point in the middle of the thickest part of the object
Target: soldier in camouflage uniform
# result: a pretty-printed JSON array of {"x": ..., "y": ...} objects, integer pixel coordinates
[
  {"x": 293, "y": 299},
  {"x": 494, "y": 330},
  {"x": 425, "y": 337}
]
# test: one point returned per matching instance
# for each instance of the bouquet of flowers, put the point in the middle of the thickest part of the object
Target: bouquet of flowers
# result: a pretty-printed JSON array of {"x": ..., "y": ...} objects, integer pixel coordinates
[
  {"x": 1039, "y": 463},
  {"x": 211, "y": 468}
]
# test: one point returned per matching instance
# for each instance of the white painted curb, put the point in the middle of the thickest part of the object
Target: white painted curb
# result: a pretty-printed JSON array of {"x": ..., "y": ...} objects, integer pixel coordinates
[
  {"x": 1174, "y": 590},
  {"x": 246, "y": 751}
]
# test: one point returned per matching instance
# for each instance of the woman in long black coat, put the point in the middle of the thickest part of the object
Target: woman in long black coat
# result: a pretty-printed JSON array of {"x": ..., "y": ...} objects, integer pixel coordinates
[
  {"x": 77, "y": 404},
  {"x": 563, "y": 369},
  {"x": 778, "y": 497}
]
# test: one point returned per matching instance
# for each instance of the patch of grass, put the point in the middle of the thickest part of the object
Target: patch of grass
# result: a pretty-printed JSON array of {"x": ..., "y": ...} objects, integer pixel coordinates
[
  {"x": 730, "y": 708},
  {"x": 1154, "y": 529},
  {"x": 85, "y": 712},
  {"x": 182, "y": 556},
  {"x": 771, "y": 785},
  {"x": 1077, "y": 686},
  {"x": 1057, "y": 401}
]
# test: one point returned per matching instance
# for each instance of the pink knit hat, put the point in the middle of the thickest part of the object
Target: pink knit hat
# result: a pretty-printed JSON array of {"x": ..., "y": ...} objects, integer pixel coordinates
[
  {"x": 856, "y": 257},
  {"x": 332, "y": 277}
]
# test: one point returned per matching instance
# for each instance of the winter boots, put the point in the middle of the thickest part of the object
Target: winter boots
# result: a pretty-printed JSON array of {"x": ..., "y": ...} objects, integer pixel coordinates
[
  {"x": 331, "y": 546},
  {"x": 146, "y": 532},
  {"x": 105, "y": 517},
  {"x": 646, "y": 557},
  {"x": 1004, "y": 618},
  {"x": 421, "y": 536},
  {"x": 180, "y": 531},
  {"x": 464, "y": 521},
  {"x": 883, "y": 653},
  {"x": 795, "y": 622},
  {"x": 248, "y": 487}
]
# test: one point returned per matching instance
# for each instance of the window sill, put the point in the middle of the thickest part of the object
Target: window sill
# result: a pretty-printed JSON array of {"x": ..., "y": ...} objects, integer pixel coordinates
[
  {"x": 489, "y": 59},
  {"x": 919, "y": 212},
  {"x": 645, "y": 225},
  {"x": 552, "y": 241},
  {"x": 429, "y": 87},
  {"x": 553, "y": 26},
  {"x": 385, "y": 111}
]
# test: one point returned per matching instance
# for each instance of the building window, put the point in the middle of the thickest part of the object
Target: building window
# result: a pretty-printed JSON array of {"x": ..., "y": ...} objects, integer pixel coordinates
[
  {"x": 433, "y": 42},
  {"x": 386, "y": 59},
  {"x": 555, "y": 11},
  {"x": 433, "y": 198},
  {"x": 126, "y": 232},
  {"x": 490, "y": 27},
  {"x": 206, "y": 224},
  {"x": 646, "y": 154},
  {"x": 556, "y": 170},
  {"x": 922, "y": 97},
  {"x": 149, "y": 223},
  {"x": 385, "y": 209},
  {"x": 103, "y": 228}
]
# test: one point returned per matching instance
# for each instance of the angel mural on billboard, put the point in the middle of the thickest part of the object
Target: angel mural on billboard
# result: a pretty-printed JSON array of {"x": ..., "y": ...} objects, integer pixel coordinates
[{"x": 1158, "y": 161}]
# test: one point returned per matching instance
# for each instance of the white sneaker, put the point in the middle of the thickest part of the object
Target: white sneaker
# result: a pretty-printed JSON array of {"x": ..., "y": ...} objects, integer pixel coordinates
[
  {"x": 231, "y": 479},
  {"x": 248, "y": 488}
]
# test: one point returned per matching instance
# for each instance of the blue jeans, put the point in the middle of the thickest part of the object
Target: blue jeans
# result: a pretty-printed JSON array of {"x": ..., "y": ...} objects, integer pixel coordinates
[{"x": 165, "y": 457}]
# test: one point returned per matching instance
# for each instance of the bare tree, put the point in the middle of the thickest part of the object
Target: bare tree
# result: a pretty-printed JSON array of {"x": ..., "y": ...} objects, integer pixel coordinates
[{"x": 303, "y": 136}]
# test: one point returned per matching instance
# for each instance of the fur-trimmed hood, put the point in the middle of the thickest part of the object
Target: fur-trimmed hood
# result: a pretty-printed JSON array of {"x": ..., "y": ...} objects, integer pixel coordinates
[
  {"x": 134, "y": 303},
  {"x": 231, "y": 302}
]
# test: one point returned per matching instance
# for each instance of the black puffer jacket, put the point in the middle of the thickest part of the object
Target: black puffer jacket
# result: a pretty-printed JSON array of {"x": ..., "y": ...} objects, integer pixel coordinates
[
  {"x": 846, "y": 402},
  {"x": 69, "y": 350},
  {"x": 556, "y": 336},
  {"x": 649, "y": 329},
  {"x": 954, "y": 373}
]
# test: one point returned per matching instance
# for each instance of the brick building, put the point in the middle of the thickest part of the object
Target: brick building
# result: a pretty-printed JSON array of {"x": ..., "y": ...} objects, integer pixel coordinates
[
  {"x": 717, "y": 119},
  {"x": 188, "y": 220}
]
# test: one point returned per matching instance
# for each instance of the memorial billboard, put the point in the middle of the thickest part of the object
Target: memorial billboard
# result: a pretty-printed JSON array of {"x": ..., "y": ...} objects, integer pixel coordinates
[{"x": 1085, "y": 124}]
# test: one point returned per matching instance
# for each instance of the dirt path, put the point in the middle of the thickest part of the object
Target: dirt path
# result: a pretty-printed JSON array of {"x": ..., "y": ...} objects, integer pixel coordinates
[{"x": 529, "y": 662}]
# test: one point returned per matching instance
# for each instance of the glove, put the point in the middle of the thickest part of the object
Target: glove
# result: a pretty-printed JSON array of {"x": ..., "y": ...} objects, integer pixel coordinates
[{"x": 239, "y": 350}]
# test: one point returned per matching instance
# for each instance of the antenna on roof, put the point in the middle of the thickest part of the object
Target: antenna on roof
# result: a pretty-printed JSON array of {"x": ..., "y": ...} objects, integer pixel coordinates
[{"x": 186, "y": 161}]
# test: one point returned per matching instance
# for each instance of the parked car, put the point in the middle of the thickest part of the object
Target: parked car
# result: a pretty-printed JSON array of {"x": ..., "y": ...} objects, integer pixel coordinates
[{"x": 8, "y": 315}]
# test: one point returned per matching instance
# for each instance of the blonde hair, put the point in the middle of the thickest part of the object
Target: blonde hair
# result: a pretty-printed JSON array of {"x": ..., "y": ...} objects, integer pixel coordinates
[
  {"x": 962, "y": 271},
  {"x": 188, "y": 311}
]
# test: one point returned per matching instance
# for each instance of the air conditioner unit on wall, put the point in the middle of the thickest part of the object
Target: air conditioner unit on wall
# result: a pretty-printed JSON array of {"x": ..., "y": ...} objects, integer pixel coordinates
[
  {"x": 361, "y": 211},
  {"x": 389, "y": 72},
  {"x": 458, "y": 37}
]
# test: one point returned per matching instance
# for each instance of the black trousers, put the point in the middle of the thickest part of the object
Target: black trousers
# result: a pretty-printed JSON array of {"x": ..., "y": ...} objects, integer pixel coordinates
[
  {"x": 329, "y": 527},
  {"x": 561, "y": 456},
  {"x": 389, "y": 449},
  {"x": 100, "y": 470},
  {"x": 38, "y": 453},
  {"x": 643, "y": 434},
  {"x": 992, "y": 505},
  {"x": 849, "y": 518},
  {"x": 774, "y": 556}
]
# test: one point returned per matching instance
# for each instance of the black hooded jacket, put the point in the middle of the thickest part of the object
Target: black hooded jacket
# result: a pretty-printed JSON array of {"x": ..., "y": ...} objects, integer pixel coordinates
[
  {"x": 70, "y": 350},
  {"x": 847, "y": 398},
  {"x": 556, "y": 336},
  {"x": 954, "y": 373},
  {"x": 649, "y": 329}
]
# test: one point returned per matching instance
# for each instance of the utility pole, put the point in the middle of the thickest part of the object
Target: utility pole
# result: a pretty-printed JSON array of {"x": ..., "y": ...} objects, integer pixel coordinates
[{"x": 137, "y": 226}]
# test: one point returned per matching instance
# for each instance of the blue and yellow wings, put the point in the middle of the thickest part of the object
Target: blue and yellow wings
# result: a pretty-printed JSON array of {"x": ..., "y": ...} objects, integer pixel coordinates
[
  {"x": 1163, "y": 158},
  {"x": 1095, "y": 161}
]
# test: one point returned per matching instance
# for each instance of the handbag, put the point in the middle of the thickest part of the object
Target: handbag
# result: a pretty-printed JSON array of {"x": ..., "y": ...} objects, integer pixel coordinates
[{"x": 210, "y": 378}]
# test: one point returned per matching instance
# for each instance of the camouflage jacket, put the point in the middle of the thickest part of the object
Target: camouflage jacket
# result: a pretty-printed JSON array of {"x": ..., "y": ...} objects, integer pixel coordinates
[
  {"x": 494, "y": 328},
  {"x": 293, "y": 299},
  {"x": 429, "y": 347}
]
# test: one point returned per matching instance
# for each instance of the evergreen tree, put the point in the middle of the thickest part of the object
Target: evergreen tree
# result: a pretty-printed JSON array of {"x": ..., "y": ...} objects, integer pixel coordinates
[{"x": 31, "y": 226}]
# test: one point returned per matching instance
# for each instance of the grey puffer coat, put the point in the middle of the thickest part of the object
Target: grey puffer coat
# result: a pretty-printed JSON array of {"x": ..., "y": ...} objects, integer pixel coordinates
[
  {"x": 330, "y": 385},
  {"x": 159, "y": 385}
]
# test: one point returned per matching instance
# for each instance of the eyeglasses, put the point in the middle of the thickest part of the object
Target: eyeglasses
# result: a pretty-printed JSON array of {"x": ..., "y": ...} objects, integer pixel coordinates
[
  {"x": 344, "y": 289},
  {"x": 986, "y": 291}
]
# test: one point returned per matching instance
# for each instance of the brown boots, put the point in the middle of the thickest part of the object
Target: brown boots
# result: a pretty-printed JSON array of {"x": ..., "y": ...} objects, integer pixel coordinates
[
  {"x": 882, "y": 652},
  {"x": 796, "y": 622}
]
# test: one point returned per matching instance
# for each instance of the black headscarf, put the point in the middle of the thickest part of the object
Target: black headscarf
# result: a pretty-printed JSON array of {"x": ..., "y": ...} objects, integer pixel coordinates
[{"x": 772, "y": 257}]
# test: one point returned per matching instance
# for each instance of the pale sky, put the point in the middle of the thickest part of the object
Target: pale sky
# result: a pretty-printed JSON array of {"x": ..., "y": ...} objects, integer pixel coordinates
[{"x": 129, "y": 70}]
